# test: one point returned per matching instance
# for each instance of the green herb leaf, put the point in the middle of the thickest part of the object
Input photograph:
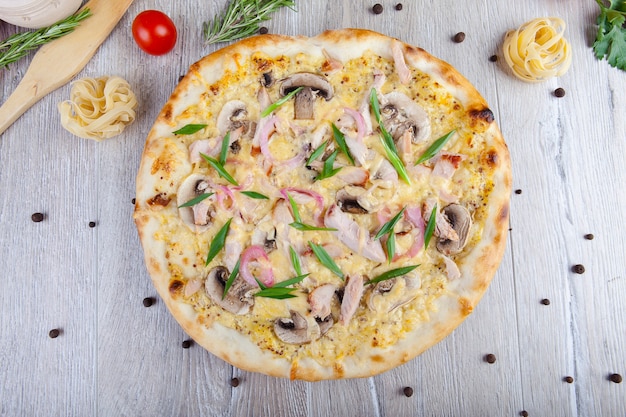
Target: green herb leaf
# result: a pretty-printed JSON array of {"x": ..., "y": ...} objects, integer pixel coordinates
[
  {"x": 261, "y": 285},
  {"x": 255, "y": 195},
  {"x": 388, "y": 227},
  {"x": 294, "y": 209},
  {"x": 231, "y": 278},
  {"x": 295, "y": 261},
  {"x": 307, "y": 228},
  {"x": 219, "y": 168},
  {"x": 269, "y": 109},
  {"x": 435, "y": 147},
  {"x": 189, "y": 129},
  {"x": 290, "y": 281},
  {"x": 241, "y": 19},
  {"x": 611, "y": 36},
  {"x": 387, "y": 141},
  {"x": 327, "y": 170},
  {"x": 398, "y": 272},
  {"x": 196, "y": 200},
  {"x": 341, "y": 141},
  {"x": 17, "y": 46},
  {"x": 276, "y": 293},
  {"x": 391, "y": 246},
  {"x": 316, "y": 153},
  {"x": 218, "y": 242},
  {"x": 224, "y": 150},
  {"x": 430, "y": 227},
  {"x": 325, "y": 259}
]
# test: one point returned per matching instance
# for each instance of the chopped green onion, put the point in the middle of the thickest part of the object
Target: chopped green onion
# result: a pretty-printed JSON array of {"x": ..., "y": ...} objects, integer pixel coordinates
[
  {"x": 327, "y": 170},
  {"x": 196, "y": 200},
  {"x": 316, "y": 153},
  {"x": 255, "y": 195},
  {"x": 280, "y": 102},
  {"x": 435, "y": 147},
  {"x": 224, "y": 150},
  {"x": 218, "y": 242},
  {"x": 325, "y": 259},
  {"x": 294, "y": 209},
  {"x": 387, "y": 141},
  {"x": 307, "y": 228},
  {"x": 388, "y": 227},
  {"x": 295, "y": 261},
  {"x": 231, "y": 278},
  {"x": 219, "y": 168},
  {"x": 189, "y": 129},
  {"x": 430, "y": 227},
  {"x": 290, "y": 281},
  {"x": 398, "y": 272},
  {"x": 391, "y": 247},
  {"x": 276, "y": 293},
  {"x": 341, "y": 141}
]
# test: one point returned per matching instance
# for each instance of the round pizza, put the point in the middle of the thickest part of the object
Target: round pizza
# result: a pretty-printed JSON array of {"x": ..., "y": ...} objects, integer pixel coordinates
[{"x": 325, "y": 207}]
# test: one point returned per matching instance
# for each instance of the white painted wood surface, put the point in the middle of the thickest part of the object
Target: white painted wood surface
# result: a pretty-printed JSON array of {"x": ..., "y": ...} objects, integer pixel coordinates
[{"x": 115, "y": 357}]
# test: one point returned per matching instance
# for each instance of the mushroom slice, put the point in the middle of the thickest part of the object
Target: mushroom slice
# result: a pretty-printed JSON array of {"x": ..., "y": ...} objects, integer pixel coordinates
[
  {"x": 402, "y": 114},
  {"x": 233, "y": 116},
  {"x": 394, "y": 293},
  {"x": 314, "y": 86},
  {"x": 357, "y": 200},
  {"x": 293, "y": 330},
  {"x": 325, "y": 324},
  {"x": 460, "y": 220},
  {"x": 238, "y": 299},
  {"x": 199, "y": 216}
]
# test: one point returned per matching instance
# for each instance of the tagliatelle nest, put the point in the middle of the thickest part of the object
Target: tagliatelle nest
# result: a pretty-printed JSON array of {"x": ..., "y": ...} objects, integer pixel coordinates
[
  {"x": 537, "y": 50},
  {"x": 99, "y": 108}
]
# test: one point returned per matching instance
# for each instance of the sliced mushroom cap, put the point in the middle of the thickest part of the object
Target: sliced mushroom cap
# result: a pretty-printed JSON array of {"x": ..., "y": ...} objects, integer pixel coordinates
[
  {"x": 325, "y": 324},
  {"x": 233, "y": 116},
  {"x": 293, "y": 330},
  {"x": 402, "y": 114},
  {"x": 394, "y": 293},
  {"x": 461, "y": 221},
  {"x": 199, "y": 216},
  {"x": 357, "y": 200},
  {"x": 239, "y": 297},
  {"x": 314, "y": 85}
]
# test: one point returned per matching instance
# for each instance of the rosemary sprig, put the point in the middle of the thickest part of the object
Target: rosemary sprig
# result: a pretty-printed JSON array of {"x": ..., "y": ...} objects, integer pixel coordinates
[
  {"x": 231, "y": 278},
  {"x": 393, "y": 273},
  {"x": 269, "y": 109},
  {"x": 325, "y": 259},
  {"x": 219, "y": 168},
  {"x": 218, "y": 242},
  {"x": 255, "y": 195},
  {"x": 189, "y": 129},
  {"x": 196, "y": 200},
  {"x": 434, "y": 148},
  {"x": 19, "y": 45},
  {"x": 241, "y": 18},
  {"x": 430, "y": 227},
  {"x": 341, "y": 141},
  {"x": 387, "y": 140}
]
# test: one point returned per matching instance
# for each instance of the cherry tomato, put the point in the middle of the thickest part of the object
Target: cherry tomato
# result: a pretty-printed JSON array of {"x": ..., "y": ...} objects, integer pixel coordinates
[{"x": 154, "y": 32}]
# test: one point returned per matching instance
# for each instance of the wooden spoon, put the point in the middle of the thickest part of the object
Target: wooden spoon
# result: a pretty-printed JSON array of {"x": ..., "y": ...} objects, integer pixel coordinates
[{"x": 58, "y": 61}]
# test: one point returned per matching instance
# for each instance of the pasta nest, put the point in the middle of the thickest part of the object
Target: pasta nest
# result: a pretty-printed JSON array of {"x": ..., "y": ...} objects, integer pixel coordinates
[
  {"x": 99, "y": 108},
  {"x": 537, "y": 50}
]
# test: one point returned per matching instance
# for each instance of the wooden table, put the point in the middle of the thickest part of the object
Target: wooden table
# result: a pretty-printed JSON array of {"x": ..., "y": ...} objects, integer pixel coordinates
[{"x": 115, "y": 357}]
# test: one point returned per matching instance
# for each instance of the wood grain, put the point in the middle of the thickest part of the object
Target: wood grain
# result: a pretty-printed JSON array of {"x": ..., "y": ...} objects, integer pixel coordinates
[{"x": 115, "y": 357}]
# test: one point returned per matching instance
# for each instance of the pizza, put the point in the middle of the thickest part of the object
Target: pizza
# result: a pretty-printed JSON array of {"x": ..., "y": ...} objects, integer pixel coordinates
[{"x": 325, "y": 207}]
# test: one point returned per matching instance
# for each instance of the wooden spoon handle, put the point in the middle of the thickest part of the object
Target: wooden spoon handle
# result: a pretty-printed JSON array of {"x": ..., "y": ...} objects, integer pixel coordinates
[{"x": 58, "y": 61}]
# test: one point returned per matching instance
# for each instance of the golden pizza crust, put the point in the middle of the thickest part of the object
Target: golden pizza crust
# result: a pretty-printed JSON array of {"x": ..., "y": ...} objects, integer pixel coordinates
[{"x": 164, "y": 165}]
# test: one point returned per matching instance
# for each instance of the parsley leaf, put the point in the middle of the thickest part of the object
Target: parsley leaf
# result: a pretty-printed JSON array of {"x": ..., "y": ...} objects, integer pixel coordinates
[{"x": 610, "y": 40}]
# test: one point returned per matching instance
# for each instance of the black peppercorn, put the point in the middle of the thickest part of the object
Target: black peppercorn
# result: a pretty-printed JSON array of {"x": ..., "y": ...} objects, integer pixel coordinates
[
  {"x": 578, "y": 269},
  {"x": 234, "y": 382},
  {"x": 459, "y": 37},
  {"x": 559, "y": 92},
  {"x": 589, "y": 236},
  {"x": 490, "y": 358},
  {"x": 617, "y": 378},
  {"x": 92, "y": 224},
  {"x": 54, "y": 333},
  {"x": 493, "y": 58},
  {"x": 37, "y": 217},
  {"x": 399, "y": 6},
  {"x": 378, "y": 8},
  {"x": 545, "y": 302},
  {"x": 263, "y": 30},
  {"x": 408, "y": 391},
  {"x": 568, "y": 379},
  {"x": 148, "y": 301},
  {"x": 186, "y": 344}
]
